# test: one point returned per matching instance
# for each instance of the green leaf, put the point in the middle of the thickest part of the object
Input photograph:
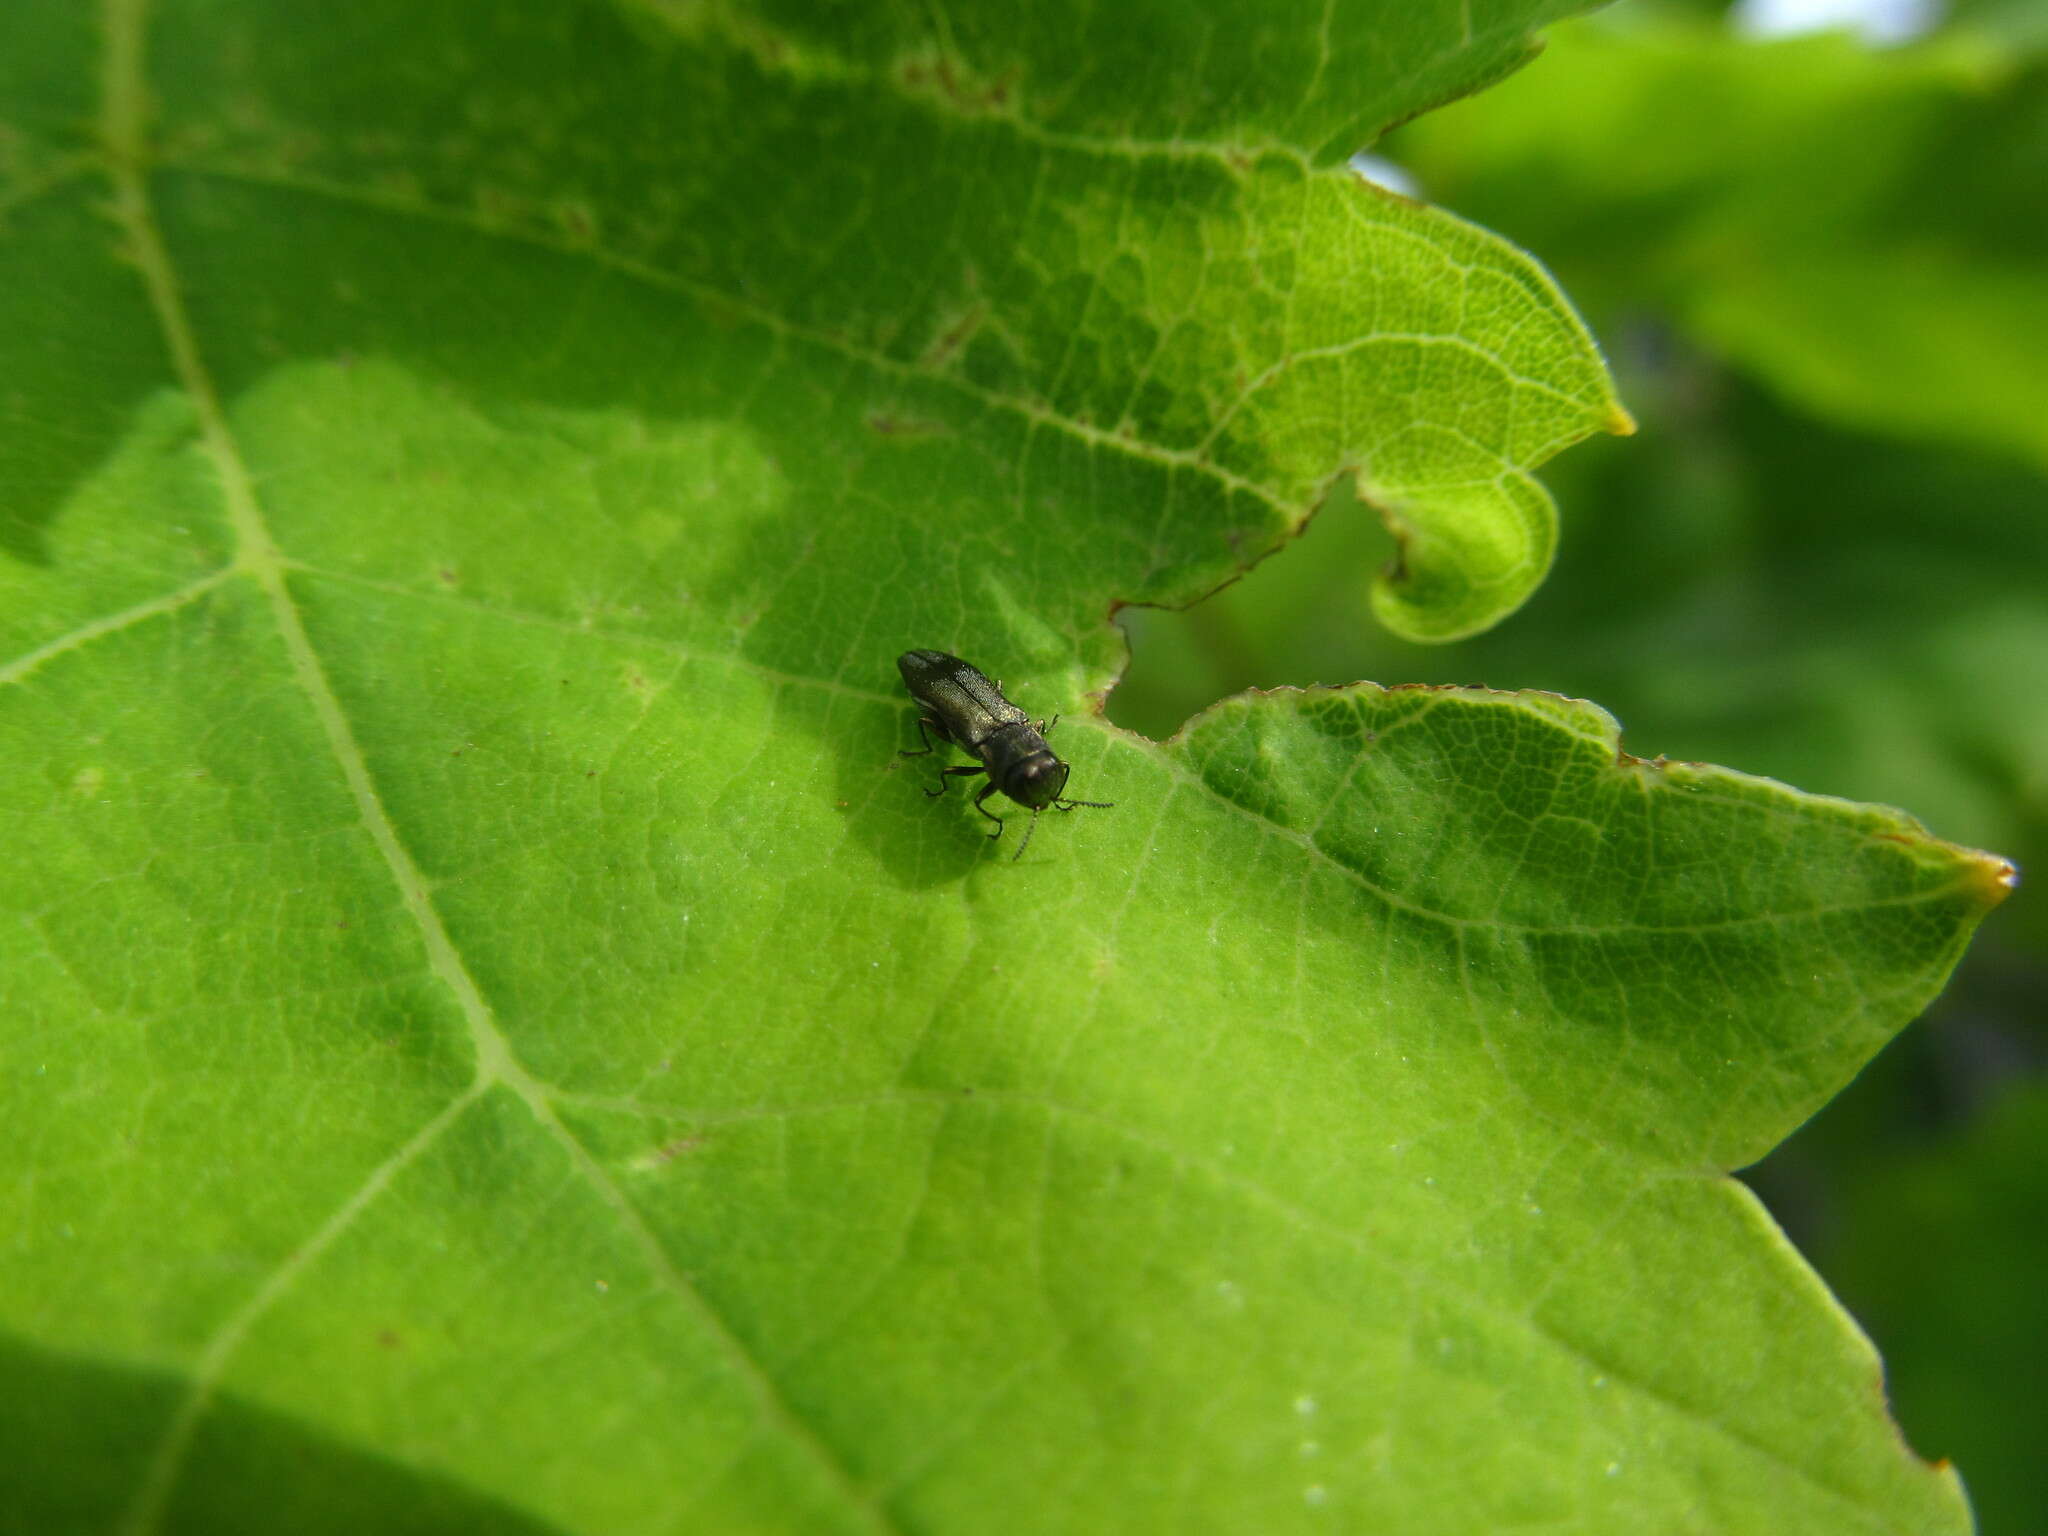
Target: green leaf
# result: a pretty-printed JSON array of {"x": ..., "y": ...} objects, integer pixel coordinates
[
  {"x": 2019, "y": 22},
  {"x": 1213, "y": 330},
  {"x": 1856, "y": 609},
  {"x": 496, "y": 1039},
  {"x": 1858, "y": 227},
  {"x": 1743, "y": 584}
]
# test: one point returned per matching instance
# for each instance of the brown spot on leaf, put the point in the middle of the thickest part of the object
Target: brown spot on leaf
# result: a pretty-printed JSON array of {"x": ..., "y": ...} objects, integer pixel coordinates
[
  {"x": 953, "y": 337},
  {"x": 669, "y": 1151},
  {"x": 889, "y": 424},
  {"x": 952, "y": 81}
]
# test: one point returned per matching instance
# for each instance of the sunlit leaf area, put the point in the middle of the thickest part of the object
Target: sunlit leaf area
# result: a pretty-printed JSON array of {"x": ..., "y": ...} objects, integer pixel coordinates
[{"x": 1520, "y": 657}]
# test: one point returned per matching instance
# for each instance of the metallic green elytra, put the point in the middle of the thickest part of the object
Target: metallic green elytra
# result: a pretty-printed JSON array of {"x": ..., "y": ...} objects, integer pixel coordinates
[{"x": 964, "y": 707}]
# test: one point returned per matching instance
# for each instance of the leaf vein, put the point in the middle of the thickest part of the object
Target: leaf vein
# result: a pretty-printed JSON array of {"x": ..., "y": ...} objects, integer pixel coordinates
[
  {"x": 17, "y": 670},
  {"x": 1032, "y": 411},
  {"x": 145, "y": 1510},
  {"x": 124, "y": 100}
]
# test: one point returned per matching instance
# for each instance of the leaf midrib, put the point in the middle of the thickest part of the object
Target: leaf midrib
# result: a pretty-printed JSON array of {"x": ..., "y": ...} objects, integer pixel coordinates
[{"x": 123, "y": 109}]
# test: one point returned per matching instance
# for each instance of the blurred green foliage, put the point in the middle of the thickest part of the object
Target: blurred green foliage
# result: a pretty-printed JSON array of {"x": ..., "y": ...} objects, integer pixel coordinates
[{"x": 1817, "y": 269}]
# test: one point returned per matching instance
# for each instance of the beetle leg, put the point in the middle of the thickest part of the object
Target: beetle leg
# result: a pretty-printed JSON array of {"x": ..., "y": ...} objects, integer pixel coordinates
[
  {"x": 991, "y": 815},
  {"x": 966, "y": 770},
  {"x": 927, "y": 749}
]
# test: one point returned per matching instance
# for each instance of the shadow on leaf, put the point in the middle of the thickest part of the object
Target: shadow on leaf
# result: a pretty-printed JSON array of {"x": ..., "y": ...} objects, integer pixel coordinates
[{"x": 78, "y": 1437}]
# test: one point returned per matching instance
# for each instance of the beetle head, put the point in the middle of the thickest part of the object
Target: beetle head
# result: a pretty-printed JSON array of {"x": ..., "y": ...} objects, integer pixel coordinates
[{"x": 1036, "y": 780}]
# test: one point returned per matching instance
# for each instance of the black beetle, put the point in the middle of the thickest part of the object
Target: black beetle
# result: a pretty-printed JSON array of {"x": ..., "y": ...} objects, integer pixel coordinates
[{"x": 961, "y": 704}]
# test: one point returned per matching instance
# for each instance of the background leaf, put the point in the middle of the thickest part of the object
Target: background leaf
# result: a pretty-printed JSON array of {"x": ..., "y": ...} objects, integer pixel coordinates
[
  {"x": 495, "y": 1039},
  {"x": 1855, "y": 227},
  {"x": 1955, "y": 1306}
]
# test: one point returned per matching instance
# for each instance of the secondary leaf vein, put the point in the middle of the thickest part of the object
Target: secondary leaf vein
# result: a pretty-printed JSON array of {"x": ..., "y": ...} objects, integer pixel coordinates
[{"x": 18, "y": 669}]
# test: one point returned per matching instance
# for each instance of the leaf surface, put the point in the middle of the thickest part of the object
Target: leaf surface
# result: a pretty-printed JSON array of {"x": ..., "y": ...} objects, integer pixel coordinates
[
  {"x": 1860, "y": 227},
  {"x": 499, "y": 1042}
]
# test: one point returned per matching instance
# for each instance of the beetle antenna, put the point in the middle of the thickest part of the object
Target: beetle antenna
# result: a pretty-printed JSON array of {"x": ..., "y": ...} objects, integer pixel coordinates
[
  {"x": 1026, "y": 843},
  {"x": 1100, "y": 805}
]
